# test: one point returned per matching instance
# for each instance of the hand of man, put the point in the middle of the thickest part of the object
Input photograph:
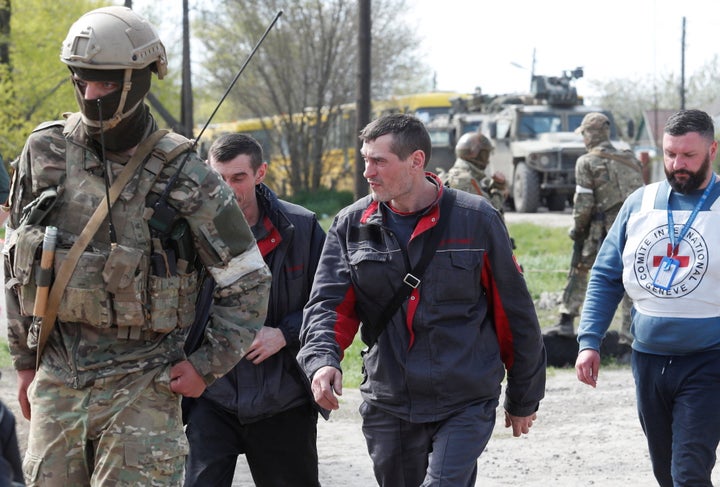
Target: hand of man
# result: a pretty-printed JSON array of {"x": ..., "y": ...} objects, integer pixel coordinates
[
  {"x": 499, "y": 179},
  {"x": 587, "y": 366},
  {"x": 268, "y": 341},
  {"x": 25, "y": 377},
  {"x": 520, "y": 424},
  {"x": 576, "y": 235},
  {"x": 327, "y": 382},
  {"x": 185, "y": 380}
]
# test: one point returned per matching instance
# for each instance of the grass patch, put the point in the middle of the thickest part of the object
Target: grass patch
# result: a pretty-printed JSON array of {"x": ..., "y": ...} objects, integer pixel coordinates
[
  {"x": 544, "y": 254},
  {"x": 323, "y": 202},
  {"x": 5, "y": 358},
  {"x": 352, "y": 364}
]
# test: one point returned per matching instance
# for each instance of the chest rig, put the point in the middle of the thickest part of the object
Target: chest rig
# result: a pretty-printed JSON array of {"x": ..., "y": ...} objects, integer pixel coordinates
[{"x": 114, "y": 284}]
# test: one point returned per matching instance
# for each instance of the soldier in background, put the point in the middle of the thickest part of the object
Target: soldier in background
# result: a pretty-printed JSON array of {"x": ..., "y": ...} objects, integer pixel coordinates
[
  {"x": 103, "y": 395},
  {"x": 468, "y": 172},
  {"x": 605, "y": 176}
]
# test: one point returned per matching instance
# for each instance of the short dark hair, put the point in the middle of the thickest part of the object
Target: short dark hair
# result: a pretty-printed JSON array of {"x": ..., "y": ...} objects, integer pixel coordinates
[
  {"x": 409, "y": 134},
  {"x": 685, "y": 121},
  {"x": 227, "y": 147}
]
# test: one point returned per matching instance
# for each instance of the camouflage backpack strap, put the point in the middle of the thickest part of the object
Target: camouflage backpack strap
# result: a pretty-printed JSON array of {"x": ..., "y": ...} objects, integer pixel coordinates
[
  {"x": 168, "y": 148},
  {"x": 172, "y": 145},
  {"x": 68, "y": 265},
  {"x": 626, "y": 158}
]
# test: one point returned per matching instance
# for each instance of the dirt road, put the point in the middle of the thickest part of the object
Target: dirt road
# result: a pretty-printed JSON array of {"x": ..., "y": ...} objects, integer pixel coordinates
[{"x": 582, "y": 437}]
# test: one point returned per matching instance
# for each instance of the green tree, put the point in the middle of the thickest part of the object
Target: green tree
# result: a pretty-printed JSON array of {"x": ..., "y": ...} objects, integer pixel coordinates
[
  {"x": 628, "y": 98},
  {"x": 306, "y": 69},
  {"x": 34, "y": 83}
]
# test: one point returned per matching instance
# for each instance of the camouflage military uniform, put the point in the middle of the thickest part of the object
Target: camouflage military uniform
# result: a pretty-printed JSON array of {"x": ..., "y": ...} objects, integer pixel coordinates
[
  {"x": 468, "y": 177},
  {"x": 605, "y": 177},
  {"x": 121, "y": 380}
]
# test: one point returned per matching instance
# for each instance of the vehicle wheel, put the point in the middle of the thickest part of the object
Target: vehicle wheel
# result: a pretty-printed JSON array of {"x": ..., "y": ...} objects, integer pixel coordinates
[
  {"x": 556, "y": 202},
  {"x": 526, "y": 189}
]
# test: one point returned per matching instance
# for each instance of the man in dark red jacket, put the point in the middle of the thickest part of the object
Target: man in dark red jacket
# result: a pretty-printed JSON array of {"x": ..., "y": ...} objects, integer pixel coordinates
[{"x": 434, "y": 368}]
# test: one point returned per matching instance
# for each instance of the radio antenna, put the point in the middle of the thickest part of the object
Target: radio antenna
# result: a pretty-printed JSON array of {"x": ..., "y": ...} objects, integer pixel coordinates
[{"x": 160, "y": 206}]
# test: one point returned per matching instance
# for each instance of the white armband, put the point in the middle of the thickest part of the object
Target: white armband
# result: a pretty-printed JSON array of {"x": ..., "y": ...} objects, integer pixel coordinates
[
  {"x": 249, "y": 261},
  {"x": 582, "y": 189}
]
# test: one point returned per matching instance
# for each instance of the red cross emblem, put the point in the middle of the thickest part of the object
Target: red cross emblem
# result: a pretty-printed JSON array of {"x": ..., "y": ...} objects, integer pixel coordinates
[{"x": 683, "y": 259}]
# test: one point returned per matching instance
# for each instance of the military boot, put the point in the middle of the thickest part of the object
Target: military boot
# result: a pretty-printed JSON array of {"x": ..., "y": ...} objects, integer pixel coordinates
[{"x": 563, "y": 328}]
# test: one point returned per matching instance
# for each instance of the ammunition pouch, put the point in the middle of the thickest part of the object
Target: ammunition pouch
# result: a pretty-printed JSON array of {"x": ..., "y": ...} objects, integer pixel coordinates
[
  {"x": 105, "y": 290},
  {"x": 22, "y": 252}
]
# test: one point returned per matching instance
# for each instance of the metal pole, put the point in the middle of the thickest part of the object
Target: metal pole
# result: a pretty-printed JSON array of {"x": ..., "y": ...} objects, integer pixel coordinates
[
  {"x": 363, "y": 102},
  {"x": 186, "y": 99},
  {"x": 682, "y": 68}
]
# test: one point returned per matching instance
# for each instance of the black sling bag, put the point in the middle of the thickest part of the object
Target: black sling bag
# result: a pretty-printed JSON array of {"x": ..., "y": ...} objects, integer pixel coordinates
[{"x": 370, "y": 332}]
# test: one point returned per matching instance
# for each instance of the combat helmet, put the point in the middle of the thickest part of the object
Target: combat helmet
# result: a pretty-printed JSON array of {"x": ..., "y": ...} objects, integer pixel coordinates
[
  {"x": 114, "y": 44},
  {"x": 114, "y": 38},
  {"x": 474, "y": 148}
]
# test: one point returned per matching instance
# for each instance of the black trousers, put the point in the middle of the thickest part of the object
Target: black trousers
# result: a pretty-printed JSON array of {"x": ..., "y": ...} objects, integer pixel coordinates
[
  {"x": 10, "y": 462},
  {"x": 280, "y": 450}
]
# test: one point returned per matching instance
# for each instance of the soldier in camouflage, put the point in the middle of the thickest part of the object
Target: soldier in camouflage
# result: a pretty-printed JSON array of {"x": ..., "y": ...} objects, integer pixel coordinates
[
  {"x": 605, "y": 176},
  {"x": 468, "y": 172},
  {"x": 103, "y": 396}
]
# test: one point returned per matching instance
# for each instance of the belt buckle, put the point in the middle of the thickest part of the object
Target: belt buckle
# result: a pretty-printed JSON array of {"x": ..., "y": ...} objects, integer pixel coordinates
[{"x": 411, "y": 280}]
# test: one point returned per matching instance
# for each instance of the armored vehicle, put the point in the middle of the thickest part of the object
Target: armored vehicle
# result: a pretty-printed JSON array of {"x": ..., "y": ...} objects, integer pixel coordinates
[{"x": 533, "y": 135}]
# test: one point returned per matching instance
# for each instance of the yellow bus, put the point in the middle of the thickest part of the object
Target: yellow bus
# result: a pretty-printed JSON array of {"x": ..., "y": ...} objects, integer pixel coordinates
[
  {"x": 425, "y": 106},
  {"x": 338, "y": 154}
]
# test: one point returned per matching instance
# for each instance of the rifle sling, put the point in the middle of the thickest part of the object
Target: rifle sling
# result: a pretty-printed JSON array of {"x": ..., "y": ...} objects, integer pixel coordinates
[
  {"x": 67, "y": 267},
  {"x": 413, "y": 278}
]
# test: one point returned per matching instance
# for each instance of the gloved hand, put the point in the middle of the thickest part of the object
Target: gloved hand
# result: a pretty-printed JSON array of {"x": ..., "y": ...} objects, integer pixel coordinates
[
  {"x": 499, "y": 178},
  {"x": 576, "y": 234}
]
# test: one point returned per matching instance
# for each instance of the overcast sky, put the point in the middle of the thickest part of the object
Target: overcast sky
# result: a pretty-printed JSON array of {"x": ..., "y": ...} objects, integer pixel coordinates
[{"x": 473, "y": 43}]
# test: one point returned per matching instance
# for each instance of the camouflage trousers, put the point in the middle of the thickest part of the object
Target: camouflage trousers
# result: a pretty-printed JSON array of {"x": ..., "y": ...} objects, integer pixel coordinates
[
  {"x": 574, "y": 296},
  {"x": 122, "y": 430}
]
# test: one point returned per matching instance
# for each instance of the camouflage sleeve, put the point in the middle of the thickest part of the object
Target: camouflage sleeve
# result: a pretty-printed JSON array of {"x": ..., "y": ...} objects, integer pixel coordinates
[
  {"x": 584, "y": 199},
  {"x": 226, "y": 248},
  {"x": 40, "y": 166},
  {"x": 17, "y": 332}
]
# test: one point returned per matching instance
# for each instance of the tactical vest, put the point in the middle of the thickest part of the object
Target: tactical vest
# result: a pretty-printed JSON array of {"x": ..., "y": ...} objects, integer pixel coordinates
[{"x": 112, "y": 285}]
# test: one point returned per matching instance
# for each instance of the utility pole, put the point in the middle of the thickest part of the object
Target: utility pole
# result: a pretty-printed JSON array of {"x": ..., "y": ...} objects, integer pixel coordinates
[
  {"x": 185, "y": 125},
  {"x": 363, "y": 101},
  {"x": 186, "y": 96},
  {"x": 5, "y": 32},
  {"x": 682, "y": 68}
]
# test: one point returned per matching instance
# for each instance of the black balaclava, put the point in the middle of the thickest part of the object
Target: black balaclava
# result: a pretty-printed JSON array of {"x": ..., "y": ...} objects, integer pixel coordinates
[{"x": 124, "y": 115}]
